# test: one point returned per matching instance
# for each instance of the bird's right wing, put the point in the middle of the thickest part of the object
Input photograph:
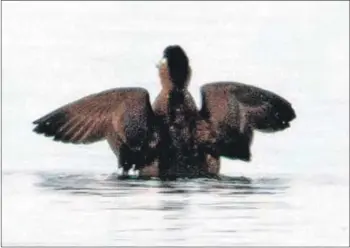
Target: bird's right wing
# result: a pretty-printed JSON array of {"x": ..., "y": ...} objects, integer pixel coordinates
[{"x": 236, "y": 109}]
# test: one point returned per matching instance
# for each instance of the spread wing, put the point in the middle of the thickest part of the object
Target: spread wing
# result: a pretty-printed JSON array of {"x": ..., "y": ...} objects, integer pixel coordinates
[
  {"x": 125, "y": 111},
  {"x": 236, "y": 109}
]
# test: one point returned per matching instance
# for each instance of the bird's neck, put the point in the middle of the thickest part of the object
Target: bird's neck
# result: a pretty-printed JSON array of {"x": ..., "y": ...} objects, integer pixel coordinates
[{"x": 168, "y": 85}]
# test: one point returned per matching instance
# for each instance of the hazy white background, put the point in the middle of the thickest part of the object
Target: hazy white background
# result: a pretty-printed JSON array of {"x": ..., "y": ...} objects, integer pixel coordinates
[{"x": 56, "y": 52}]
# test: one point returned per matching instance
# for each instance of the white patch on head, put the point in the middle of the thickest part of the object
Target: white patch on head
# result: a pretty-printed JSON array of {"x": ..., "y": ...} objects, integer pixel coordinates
[{"x": 163, "y": 61}]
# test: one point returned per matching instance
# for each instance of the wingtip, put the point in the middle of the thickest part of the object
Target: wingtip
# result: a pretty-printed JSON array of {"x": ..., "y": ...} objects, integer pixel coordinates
[
  {"x": 36, "y": 129},
  {"x": 293, "y": 114}
]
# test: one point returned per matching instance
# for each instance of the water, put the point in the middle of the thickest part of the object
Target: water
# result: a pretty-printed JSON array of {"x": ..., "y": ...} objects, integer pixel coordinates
[{"x": 294, "y": 192}]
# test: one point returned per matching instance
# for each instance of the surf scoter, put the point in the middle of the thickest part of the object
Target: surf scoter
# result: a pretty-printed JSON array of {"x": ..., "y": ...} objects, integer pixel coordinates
[{"x": 171, "y": 139}]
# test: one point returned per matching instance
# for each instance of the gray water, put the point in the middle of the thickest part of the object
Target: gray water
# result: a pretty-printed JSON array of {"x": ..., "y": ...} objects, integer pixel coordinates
[{"x": 295, "y": 191}]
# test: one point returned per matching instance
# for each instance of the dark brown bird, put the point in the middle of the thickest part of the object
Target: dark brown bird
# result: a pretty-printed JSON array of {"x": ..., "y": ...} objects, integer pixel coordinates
[{"x": 172, "y": 138}]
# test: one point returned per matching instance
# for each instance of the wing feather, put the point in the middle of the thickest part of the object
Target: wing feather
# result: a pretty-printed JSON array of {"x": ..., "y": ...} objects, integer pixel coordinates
[
  {"x": 236, "y": 109},
  {"x": 90, "y": 119}
]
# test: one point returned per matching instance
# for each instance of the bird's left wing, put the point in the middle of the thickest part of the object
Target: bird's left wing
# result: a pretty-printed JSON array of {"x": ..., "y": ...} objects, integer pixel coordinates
[{"x": 124, "y": 111}]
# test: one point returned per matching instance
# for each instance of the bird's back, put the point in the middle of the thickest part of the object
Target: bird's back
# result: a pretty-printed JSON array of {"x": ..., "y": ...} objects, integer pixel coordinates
[{"x": 178, "y": 116}]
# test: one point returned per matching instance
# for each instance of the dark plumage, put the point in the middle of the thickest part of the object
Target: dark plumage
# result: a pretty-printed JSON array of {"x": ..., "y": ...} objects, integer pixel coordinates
[
  {"x": 172, "y": 138},
  {"x": 237, "y": 109}
]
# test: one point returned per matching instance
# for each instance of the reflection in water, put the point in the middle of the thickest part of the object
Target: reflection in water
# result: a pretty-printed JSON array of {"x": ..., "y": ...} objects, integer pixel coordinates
[
  {"x": 173, "y": 199},
  {"x": 110, "y": 185},
  {"x": 196, "y": 210},
  {"x": 186, "y": 212}
]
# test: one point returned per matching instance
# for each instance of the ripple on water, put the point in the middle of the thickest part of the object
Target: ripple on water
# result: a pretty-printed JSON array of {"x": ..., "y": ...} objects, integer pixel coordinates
[{"x": 110, "y": 185}]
